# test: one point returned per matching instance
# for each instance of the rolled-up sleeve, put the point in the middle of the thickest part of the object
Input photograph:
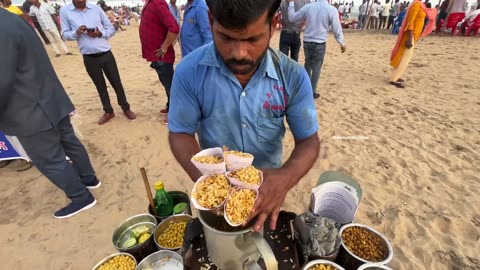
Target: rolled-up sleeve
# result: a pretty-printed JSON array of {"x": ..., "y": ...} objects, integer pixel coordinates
[
  {"x": 67, "y": 32},
  {"x": 296, "y": 16},
  {"x": 166, "y": 18},
  {"x": 204, "y": 24},
  {"x": 301, "y": 112},
  {"x": 184, "y": 111}
]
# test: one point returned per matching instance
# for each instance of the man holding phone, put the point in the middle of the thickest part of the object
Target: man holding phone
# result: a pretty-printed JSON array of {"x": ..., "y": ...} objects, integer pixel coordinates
[{"x": 90, "y": 27}]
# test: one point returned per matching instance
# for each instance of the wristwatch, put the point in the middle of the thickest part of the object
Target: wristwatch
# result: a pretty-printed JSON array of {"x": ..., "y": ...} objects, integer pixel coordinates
[{"x": 163, "y": 50}]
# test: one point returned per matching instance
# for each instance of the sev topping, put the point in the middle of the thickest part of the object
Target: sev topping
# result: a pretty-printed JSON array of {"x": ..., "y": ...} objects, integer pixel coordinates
[
  {"x": 212, "y": 191},
  {"x": 249, "y": 175},
  {"x": 209, "y": 159},
  {"x": 240, "y": 205},
  {"x": 237, "y": 153}
]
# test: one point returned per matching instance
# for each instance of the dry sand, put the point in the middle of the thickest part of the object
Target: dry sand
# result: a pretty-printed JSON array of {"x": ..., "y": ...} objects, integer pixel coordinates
[{"x": 419, "y": 167}]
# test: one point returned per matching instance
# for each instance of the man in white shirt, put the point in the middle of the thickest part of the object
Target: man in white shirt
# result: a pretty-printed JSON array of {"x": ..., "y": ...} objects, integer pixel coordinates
[
  {"x": 384, "y": 14},
  {"x": 362, "y": 11},
  {"x": 320, "y": 17},
  {"x": 374, "y": 13},
  {"x": 341, "y": 10},
  {"x": 44, "y": 13}
]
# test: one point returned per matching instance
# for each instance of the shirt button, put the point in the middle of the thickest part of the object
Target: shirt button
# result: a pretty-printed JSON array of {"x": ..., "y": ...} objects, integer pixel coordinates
[
  {"x": 244, "y": 94},
  {"x": 244, "y": 125}
]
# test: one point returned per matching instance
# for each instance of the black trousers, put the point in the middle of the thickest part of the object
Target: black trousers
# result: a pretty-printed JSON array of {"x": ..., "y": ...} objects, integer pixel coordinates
[
  {"x": 383, "y": 22},
  {"x": 97, "y": 65},
  {"x": 290, "y": 41},
  {"x": 165, "y": 75},
  {"x": 390, "y": 21},
  {"x": 48, "y": 150}
]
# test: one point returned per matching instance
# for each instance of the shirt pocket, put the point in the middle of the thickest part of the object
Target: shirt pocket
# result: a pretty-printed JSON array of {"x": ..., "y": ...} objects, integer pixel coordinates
[{"x": 270, "y": 129}]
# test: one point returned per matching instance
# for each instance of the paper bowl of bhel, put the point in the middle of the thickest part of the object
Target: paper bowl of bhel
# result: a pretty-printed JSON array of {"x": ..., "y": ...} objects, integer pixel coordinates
[
  {"x": 210, "y": 161},
  {"x": 248, "y": 177},
  {"x": 117, "y": 261},
  {"x": 210, "y": 192},
  {"x": 235, "y": 160},
  {"x": 239, "y": 206}
]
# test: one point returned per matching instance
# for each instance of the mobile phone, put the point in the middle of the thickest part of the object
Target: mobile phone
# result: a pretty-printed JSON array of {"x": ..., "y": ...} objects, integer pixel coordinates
[{"x": 90, "y": 30}]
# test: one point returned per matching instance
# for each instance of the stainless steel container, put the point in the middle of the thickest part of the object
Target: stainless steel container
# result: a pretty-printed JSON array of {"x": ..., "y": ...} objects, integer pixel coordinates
[
  {"x": 373, "y": 266},
  {"x": 348, "y": 260},
  {"x": 234, "y": 248},
  {"x": 326, "y": 262},
  {"x": 164, "y": 225},
  {"x": 162, "y": 260},
  {"x": 97, "y": 266},
  {"x": 139, "y": 251}
]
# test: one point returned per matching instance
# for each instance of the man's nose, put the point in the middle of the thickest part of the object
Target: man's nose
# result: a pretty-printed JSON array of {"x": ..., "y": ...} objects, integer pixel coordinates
[{"x": 239, "y": 50}]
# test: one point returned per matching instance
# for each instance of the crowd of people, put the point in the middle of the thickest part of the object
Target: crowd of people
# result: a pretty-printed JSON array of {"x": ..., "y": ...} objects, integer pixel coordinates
[{"x": 238, "y": 77}]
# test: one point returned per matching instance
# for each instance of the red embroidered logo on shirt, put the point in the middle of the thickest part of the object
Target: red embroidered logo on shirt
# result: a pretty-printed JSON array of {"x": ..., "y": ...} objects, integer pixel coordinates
[{"x": 268, "y": 105}]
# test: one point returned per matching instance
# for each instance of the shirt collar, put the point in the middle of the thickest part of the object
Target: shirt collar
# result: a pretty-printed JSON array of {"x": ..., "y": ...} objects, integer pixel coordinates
[
  {"x": 87, "y": 5},
  {"x": 267, "y": 67}
]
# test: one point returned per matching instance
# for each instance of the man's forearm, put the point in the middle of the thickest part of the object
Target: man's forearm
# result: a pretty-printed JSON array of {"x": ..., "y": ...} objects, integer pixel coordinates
[
  {"x": 183, "y": 147},
  {"x": 302, "y": 158},
  {"x": 169, "y": 40}
]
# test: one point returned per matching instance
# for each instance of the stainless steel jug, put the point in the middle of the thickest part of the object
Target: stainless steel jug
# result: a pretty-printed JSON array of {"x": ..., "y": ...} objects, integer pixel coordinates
[{"x": 235, "y": 250}]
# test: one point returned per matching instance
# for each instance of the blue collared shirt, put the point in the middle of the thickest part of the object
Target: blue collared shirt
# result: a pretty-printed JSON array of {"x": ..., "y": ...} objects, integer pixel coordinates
[
  {"x": 319, "y": 16},
  {"x": 207, "y": 99},
  {"x": 195, "y": 28},
  {"x": 93, "y": 16}
]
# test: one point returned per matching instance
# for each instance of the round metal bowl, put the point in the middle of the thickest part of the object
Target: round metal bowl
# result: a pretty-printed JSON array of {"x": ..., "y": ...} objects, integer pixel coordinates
[
  {"x": 159, "y": 257},
  {"x": 348, "y": 260},
  {"x": 315, "y": 262},
  {"x": 139, "y": 251},
  {"x": 373, "y": 266},
  {"x": 164, "y": 225},
  {"x": 97, "y": 266}
]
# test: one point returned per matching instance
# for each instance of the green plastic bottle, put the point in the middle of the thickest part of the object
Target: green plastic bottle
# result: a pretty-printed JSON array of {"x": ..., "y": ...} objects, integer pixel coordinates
[{"x": 163, "y": 201}]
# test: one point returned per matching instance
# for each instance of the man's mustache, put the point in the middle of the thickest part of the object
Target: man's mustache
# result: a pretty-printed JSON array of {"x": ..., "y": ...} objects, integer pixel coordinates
[{"x": 239, "y": 62}]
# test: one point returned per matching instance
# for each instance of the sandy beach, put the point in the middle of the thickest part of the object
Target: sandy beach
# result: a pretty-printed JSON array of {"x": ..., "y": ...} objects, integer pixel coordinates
[{"x": 415, "y": 152}]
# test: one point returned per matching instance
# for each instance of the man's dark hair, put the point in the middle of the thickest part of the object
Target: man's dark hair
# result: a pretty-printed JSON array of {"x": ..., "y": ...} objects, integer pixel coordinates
[{"x": 237, "y": 14}]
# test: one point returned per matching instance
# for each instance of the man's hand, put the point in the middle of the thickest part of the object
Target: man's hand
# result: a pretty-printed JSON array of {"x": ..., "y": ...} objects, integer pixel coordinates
[
  {"x": 95, "y": 33},
  {"x": 409, "y": 43},
  {"x": 81, "y": 30},
  {"x": 343, "y": 48},
  {"x": 160, "y": 53},
  {"x": 272, "y": 193}
]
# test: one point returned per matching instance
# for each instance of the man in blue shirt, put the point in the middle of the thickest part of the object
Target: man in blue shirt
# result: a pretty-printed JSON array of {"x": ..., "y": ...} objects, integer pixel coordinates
[
  {"x": 319, "y": 17},
  {"x": 195, "y": 30},
  {"x": 90, "y": 27},
  {"x": 238, "y": 92}
]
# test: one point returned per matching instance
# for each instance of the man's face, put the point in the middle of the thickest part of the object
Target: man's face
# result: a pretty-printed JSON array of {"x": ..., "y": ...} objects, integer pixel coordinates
[
  {"x": 173, "y": 2},
  {"x": 33, "y": 2},
  {"x": 80, "y": 3},
  {"x": 243, "y": 50},
  {"x": 7, "y": 2}
]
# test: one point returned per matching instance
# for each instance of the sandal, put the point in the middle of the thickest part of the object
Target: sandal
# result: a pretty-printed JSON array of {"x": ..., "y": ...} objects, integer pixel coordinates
[
  {"x": 401, "y": 80},
  {"x": 398, "y": 84}
]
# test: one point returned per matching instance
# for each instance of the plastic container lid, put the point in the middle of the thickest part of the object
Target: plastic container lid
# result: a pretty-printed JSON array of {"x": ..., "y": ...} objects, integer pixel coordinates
[
  {"x": 158, "y": 185},
  {"x": 179, "y": 208}
]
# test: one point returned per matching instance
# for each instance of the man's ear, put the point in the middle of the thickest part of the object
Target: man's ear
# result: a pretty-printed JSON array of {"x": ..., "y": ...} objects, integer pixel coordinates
[{"x": 274, "y": 24}]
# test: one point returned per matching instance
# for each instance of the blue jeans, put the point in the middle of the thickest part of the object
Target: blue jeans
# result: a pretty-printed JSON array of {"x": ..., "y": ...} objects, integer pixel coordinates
[
  {"x": 165, "y": 75},
  {"x": 290, "y": 41},
  {"x": 314, "y": 55}
]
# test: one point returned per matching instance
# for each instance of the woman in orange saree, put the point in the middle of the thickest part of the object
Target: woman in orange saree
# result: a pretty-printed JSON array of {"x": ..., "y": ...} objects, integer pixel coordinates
[{"x": 411, "y": 31}]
